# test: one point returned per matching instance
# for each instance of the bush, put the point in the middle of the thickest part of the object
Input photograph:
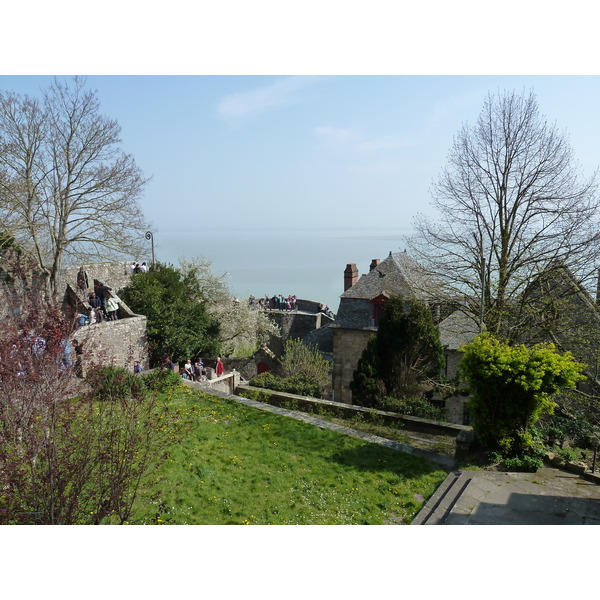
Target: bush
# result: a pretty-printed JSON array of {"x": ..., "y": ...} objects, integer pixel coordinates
[
  {"x": 161, "y": 380},
  {"x": 525, "y": 462},
  {"x": 256, "y": 395},
  {"x": 268, "y": 381},
  {"x": 115, "y": 383},
  {"x": 511, "y": 389},
  {"x": 292, "y": 385},
  {"x": 415, "y": 407}
]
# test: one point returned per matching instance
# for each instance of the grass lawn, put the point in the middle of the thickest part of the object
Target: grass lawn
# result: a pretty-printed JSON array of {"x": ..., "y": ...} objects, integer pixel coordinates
[{"x": 240, "y": 465}]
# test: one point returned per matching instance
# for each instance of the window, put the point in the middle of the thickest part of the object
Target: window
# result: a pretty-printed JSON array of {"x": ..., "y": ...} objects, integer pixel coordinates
[{"x": 378, "y": 307}]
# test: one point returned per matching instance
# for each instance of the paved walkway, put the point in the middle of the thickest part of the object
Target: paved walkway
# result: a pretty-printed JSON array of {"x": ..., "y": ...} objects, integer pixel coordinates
[{"x": 548, "y": 497}]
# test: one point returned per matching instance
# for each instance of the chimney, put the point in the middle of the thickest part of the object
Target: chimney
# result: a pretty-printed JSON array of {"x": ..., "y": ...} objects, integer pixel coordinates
[
  {"x": 374, "y": 263},
  {"x": 350, "y": 276}
]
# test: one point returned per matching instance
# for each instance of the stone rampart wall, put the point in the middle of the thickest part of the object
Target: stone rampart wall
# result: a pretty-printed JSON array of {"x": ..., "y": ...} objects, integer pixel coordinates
[
  {"x": 117, "y": 343},
  {"x": 293, "y": 325},
  {"x": 116, "y": 275}
]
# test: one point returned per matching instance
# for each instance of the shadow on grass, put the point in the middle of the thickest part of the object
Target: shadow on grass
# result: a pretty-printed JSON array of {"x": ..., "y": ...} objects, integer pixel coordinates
[{"x": 379, "y": 459}]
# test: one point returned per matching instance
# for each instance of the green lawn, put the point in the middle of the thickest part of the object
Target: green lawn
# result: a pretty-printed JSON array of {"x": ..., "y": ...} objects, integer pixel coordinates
[{"x": 240, "y": 465}]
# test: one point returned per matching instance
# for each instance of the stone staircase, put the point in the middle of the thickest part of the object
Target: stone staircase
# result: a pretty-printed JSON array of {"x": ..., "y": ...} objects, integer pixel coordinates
[{"x": 440, "y": 505}]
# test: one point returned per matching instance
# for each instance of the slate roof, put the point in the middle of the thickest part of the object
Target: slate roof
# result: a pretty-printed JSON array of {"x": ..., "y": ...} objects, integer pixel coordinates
[
  {"x": 399, "y": 272},
  {"x": 458, "y": 329}
]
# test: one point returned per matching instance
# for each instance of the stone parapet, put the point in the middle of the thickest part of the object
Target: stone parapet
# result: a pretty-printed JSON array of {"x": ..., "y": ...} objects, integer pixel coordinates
[{"x": 117, "y": 343}]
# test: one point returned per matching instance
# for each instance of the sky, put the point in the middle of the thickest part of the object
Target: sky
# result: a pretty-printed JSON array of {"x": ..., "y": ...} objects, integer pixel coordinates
[
  {"x": 265, "y": 153},
  {"x": 264, "y": 116}
]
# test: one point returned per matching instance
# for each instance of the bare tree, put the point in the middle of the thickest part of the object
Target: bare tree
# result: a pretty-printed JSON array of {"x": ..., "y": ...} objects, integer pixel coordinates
[
  {"x": 511, "y": 202},
  {"x": 67, "y": 191}
]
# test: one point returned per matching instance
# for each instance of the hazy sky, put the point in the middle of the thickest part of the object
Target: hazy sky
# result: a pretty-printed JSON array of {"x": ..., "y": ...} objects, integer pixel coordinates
[{"x": 351, "y": 152}]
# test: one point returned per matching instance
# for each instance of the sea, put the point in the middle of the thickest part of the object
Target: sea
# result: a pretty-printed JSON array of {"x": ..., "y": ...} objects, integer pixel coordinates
[{"x": 306, "y": 263}]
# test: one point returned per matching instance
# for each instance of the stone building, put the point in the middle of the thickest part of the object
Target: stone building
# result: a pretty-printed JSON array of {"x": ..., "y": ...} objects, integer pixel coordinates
[
  {"x": 361, "y": 307},
  {"x": 362, "y": 304}
]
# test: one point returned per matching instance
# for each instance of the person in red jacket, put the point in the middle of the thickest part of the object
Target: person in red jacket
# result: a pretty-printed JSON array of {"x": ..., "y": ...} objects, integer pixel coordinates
[{"x": 219, "y": 367}]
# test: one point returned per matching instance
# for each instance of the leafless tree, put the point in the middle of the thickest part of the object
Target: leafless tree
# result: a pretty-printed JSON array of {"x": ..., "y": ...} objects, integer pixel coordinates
[
  {"x": 67, "y": 190},
  {"x": 511, "y": 201}
]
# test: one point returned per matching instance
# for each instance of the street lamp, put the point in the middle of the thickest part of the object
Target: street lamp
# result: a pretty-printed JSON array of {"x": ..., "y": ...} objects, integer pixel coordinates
[{"x": 150, "y": 237}]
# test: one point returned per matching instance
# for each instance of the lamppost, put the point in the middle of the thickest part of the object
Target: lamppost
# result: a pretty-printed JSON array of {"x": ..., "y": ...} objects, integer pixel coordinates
[{"x": 150, "y": 237}]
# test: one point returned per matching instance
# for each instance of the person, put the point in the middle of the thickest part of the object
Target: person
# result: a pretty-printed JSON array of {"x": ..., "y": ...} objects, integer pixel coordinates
[
  {"x": 169, "y": 364},
  {"x": 199, "y": 371},
  {"x": 66, "y": 354},
  {"x": 112, "y": 305},
  {"x": 132, "y": 268},
  {"x": 144, "y": 268},
  {"x": 103, "y": 294},
  {"x": 82, "y": 281},
  {"x": 137, "y": 368},
  {"x": 219, "y": 367},
  {"x": 188, "y": 372},
  {"x": 94, "y": 300}
]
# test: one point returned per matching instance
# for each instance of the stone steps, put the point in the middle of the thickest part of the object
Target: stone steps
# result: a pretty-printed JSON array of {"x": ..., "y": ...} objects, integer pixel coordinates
[{"x": 439, "y": 506}]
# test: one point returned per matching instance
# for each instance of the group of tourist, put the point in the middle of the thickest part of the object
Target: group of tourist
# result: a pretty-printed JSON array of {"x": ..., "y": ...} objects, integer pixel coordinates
[
  {"x": 135, "y": 267},
  {"x": 195, "y": 371},
  {"x": 277, "y": 302},
  {"x": 103, "y": 307},
  {"x": 326, "y": 310}
]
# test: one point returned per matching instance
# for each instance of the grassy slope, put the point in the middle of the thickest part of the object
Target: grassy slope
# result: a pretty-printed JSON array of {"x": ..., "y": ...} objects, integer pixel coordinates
[{"x": 243, "y": 466}]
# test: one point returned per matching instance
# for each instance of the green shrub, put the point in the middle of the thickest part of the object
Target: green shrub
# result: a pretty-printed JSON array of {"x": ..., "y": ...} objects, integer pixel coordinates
[
  {"x": 414, "y": 407},
  {"x": 115, "y": 383},
  {"x": 525, "y": 461},
  {"x": 256, "y": 395},
  {"x": 511, "y": 388},
  {"x": 292, "y": 385},
  {"x": 161, "y": 380},
  {"x": 268, "y": 381},
  {"x": 302, "y": 387}
]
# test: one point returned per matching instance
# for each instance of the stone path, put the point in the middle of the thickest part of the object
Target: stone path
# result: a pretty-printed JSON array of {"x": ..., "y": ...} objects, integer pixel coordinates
[{"x": 548, "y": 497}]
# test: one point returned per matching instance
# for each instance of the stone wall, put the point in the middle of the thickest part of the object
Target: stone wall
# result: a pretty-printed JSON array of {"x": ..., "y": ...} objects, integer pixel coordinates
[
  {"x": 294, "y": 325},
  {"x": 455, "y": 409},
  {"x": 227, "y": 383},
  {"x": 248, "y": 366},
  {"x": 348, "y": 345},
  {"x": 117, "y": 343},
  {"x": 116, "y": 275},
  {"x": 453, "y": 359}
]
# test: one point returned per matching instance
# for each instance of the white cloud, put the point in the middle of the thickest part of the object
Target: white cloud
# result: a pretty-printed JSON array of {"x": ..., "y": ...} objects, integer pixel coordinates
[
  {"x": 353, "y": 140},
  {"x": 247, "y": 104}
]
